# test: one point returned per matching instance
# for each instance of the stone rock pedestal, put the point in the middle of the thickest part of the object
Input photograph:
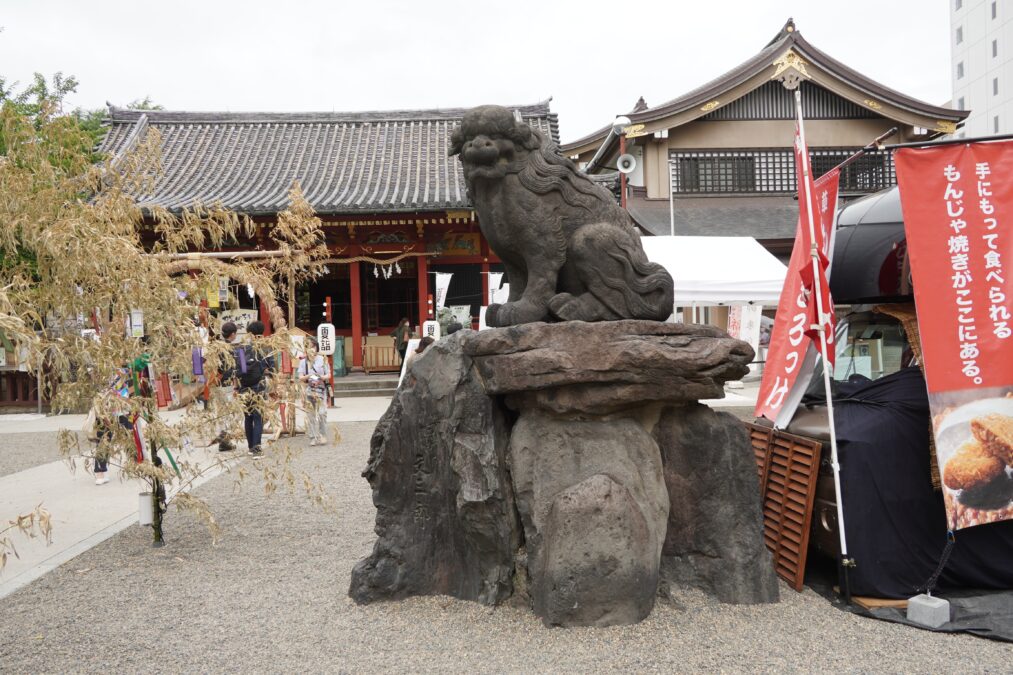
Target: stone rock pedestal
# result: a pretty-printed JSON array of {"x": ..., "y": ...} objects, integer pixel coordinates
[
  {"x": 584, "y": 444},
  {"x": 445, "y": 517},
  {"x": 591, "y": 495},
  {"x": 715, "y": 519}
]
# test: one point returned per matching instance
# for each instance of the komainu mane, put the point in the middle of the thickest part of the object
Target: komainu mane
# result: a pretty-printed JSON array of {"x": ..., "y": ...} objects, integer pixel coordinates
[{"x": 570, "y": 252}]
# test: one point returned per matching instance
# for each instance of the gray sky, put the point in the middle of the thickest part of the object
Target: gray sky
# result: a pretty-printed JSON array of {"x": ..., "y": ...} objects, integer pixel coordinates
[{"x": 593, "y": 58}]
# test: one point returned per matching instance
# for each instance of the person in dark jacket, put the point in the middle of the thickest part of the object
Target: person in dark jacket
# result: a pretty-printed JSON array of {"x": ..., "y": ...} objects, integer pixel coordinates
[
  {"x": 251, "y": 372},
  {"x": 401, "y": 335},
  {"x": 224, "y": 395}
]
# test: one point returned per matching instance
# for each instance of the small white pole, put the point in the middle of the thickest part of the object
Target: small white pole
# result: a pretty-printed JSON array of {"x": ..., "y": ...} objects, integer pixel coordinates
[
  {"x": 671, "y": 202},
  {"x": 823, "y": 338}
]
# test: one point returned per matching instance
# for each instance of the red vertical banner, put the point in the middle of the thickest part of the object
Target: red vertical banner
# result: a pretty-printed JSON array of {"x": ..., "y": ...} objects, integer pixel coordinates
[
  {"x": 958, "y": 201},
  {"x": 796, "y": 308}
]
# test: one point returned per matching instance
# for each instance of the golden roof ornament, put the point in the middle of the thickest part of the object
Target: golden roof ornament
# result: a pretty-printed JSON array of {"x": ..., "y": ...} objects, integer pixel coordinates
[{"x": 790, "y": 70}]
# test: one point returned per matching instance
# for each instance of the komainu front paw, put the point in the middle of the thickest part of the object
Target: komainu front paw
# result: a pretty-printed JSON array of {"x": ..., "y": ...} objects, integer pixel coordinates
[
  {"x": 514, "y": 313},
  {"x": 492, "y": 315}
]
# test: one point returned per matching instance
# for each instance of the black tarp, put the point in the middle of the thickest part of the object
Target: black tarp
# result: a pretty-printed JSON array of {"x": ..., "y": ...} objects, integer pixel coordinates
[{"x": 895, "y": 521}]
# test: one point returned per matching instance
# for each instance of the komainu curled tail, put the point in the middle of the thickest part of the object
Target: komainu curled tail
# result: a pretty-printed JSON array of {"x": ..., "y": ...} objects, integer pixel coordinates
[{"x": 620, "y": 282}]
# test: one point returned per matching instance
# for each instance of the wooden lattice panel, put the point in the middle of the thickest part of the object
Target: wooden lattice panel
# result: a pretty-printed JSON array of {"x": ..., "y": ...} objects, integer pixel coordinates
[
  {"x": 789, "y": 489},
  {"x": 759, "y": 438}
]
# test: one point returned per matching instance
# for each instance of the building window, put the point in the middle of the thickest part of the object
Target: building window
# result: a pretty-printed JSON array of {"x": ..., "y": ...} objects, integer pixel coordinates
[
  {"x": 995, "y": 124},
  {"x": 960, "y": 103},
  {"x": 993, "y": 9},
  {"x": 960, "y": 70},
  {"x": 957, "y": 4},
  {"x": 960, "y": 34},
  {"x": 995, "y": 86},
  {"x": 995, "y": 48},
  {"x": 717, "y": 172},
  {"x": 773, "y": 171}
]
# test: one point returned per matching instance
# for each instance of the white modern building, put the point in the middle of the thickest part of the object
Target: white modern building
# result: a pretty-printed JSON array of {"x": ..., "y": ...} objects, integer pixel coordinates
[{"x": 981, "y": 36}]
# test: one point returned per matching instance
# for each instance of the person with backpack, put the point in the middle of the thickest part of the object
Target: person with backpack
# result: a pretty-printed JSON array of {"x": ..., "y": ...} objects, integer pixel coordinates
[
  {"x": 223, "y": 394},
  {"x": 254, "y": 364}
]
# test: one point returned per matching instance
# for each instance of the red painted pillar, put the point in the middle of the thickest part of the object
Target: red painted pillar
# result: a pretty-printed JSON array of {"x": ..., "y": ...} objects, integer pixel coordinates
[
  {"x": 423, "y": 281},
  {"x": 354, "y": 274}
]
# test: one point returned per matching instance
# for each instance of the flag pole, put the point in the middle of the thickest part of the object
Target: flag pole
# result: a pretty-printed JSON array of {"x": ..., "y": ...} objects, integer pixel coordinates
[{"x": 843, "y": 561}]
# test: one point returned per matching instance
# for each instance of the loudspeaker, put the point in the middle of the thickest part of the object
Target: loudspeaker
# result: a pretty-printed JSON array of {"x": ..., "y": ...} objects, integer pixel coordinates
[{"x": 626, "y": 164}]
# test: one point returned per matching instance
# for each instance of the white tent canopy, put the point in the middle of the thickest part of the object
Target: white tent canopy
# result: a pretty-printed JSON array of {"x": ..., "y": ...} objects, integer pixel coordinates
[{"x": 718, "y": 270}]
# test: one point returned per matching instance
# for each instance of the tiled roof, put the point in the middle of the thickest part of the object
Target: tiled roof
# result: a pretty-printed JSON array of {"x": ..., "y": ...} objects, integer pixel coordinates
[
  {"x": 345, "y": 162},
  {"x": 788, "y": 38},
  {"x": 762, "y": 218}
]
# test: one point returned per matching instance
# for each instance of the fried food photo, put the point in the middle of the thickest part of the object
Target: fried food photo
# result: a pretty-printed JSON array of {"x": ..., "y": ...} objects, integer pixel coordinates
[
  {"x": 995, "y": 433},
  {"x": 971, "y": 466}
]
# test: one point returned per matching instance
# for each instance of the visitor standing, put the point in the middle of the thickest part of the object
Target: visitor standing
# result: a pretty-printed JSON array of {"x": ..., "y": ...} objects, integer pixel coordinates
[
  {"x": 314, "y": 372},
  {"x": 223, "y": 395},
  {"x": 401, "y": 335},
  {"x": 252, "y": 379},
  {"x": 112, "y": 413}
]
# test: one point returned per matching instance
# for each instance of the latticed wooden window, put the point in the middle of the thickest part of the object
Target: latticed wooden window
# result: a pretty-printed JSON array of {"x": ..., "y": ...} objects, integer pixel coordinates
[{"x": 773, "y": 171}]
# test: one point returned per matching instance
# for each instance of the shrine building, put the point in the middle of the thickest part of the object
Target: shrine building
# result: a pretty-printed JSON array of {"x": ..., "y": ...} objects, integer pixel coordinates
[{"x": 393, "y": 203}]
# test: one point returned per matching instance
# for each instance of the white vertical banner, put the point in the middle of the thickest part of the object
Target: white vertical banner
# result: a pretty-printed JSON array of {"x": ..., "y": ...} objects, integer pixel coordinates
[
  {"x": 495, "y": 279},
  {"x": 744, "y": 324},
  {"x": 442, "y": 284},
  {"x": 501, "y": 295}
]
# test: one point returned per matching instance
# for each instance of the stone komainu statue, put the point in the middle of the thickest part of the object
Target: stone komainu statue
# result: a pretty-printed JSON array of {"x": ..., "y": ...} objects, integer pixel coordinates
[{"x": 571, "y": 253}]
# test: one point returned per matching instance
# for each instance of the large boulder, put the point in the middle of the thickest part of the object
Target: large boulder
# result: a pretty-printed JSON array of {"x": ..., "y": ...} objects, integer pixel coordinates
[
  {"x": 592, "y": 498},
  {"x": 715, "y": 523},
  {"x": 445, "y": 518}
]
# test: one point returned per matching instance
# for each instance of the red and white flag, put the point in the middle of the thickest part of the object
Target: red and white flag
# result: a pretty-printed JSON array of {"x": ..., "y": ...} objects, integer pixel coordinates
[
  {"x": 821, "y": 209},
  {"x": 797, "y": 309}
]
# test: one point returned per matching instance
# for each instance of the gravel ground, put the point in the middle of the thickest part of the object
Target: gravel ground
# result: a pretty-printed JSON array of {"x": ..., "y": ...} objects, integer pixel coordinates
[
  {"x": 271, "y": 597},
  {"x": 24, "y": 451}
]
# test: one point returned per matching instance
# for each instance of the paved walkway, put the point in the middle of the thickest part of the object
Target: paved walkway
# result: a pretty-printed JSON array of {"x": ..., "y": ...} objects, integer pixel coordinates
[{"x": 85, "y": 514}]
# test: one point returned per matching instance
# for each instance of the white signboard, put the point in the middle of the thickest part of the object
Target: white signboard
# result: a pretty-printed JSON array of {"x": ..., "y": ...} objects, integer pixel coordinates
[
  {"x": 325, "y": 338},
  {"x": 431, "y": 329},
  {"x": 136, "y": 323},
  {"x": 241, "y": 317},
  {"x": 413, "y": 344},
  {"x": 462, "y": 315},
  {"x": 744, "y": 324}
]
